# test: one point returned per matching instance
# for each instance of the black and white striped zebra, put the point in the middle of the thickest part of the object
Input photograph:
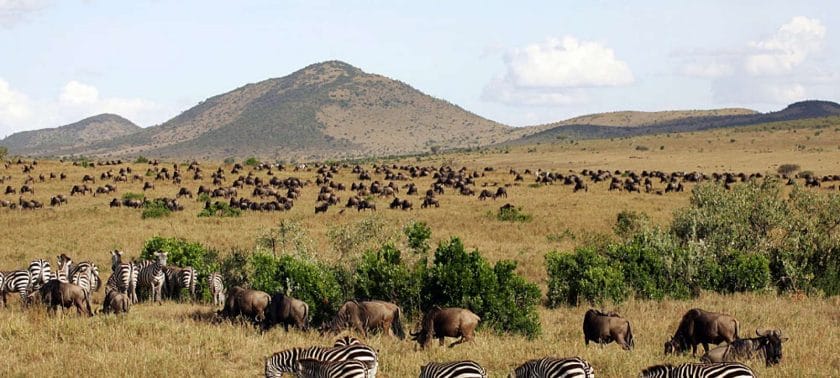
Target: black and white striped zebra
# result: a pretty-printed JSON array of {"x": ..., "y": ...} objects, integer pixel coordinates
[
  {"x": 309, "y": 368},
  {"x": 39, "y": 273},
  {"x": 86, "y": 275},
  {"x": 16, "y": 281},
  {"x": 151, "y": 277},
  {"x": 570, "y": 367},
  {"x": 178, "y": 279},
  {"x": 62, "y": 274},
  {"x": 453, "y": 369},
  {"x": 346, "y": 341},
  {"x": 287, "y": 361},
  {"x": 694, "y": 370},
  {"x": 217, "y": 288},
  {"x": 122, "y": 275}
]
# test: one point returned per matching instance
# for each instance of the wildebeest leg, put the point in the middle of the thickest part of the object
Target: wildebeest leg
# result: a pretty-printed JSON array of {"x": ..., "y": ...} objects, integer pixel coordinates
[
  {"x": 441, "y": 341},
  {"x": 461, "y": 340}
]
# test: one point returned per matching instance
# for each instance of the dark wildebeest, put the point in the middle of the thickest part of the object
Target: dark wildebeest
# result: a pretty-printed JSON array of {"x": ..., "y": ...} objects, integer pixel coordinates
[
  {"x": 288, "y": 311},
  {"x": 116, "y": 302},
  {"x": 56, "y": 293},
  {"x": 702, "y": 327},
  {"x": 251, "y": 304},
  {"x": 604, "y": 328},
  {"x": 367, "y": 315},
  {"x": 767, "y": 346},
  {"x": 439, "y": 323}
]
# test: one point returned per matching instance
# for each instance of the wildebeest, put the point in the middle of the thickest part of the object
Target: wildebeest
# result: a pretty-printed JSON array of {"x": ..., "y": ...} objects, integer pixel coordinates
[
  {"x": 363, "y": 316},
  {"x": 439, "y": 323},
  {"x": 288, "y": 311},
  {"x": 604, "y": 328},
  {"x": 249, "y": 303},
  {"x": 767, "y": 346},
  {"x": 56, "y": 293},
  {"x": 702, "y": 327},
  {"x": 115, "y": 302}
]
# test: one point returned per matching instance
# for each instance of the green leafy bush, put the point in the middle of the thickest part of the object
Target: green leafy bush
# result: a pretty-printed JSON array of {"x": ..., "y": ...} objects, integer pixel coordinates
[
  {"x": 252, "y": 161},
  {"x": 512, "y": 214},
  {"x": 133, "y": 196},
  {"x": 183, "y": 253},
  {"x": 155, "y": 209},
  {"x": 219, "y": 209},
  {"x": 629, "y": 223},
  {"x": 141, "y": 160},
  {"x": 418, "y": 234},
  {"x": 584, "y": 275},
  {"x": 383, "y": 275}
]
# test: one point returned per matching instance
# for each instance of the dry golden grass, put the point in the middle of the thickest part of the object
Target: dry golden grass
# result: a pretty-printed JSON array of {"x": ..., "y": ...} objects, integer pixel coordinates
[{"x": 167, "y": 341}]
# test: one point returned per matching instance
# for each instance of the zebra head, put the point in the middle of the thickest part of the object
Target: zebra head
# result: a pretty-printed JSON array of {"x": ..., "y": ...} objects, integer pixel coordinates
[
  {"x": 161, "y": 258},
  {"x": 116, "y": 259}
]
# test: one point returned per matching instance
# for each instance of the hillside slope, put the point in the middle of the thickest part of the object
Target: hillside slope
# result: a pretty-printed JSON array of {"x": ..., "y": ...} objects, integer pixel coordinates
[
  {"x": 325, "y": 110},
  {"x": 69, "y": 137}
]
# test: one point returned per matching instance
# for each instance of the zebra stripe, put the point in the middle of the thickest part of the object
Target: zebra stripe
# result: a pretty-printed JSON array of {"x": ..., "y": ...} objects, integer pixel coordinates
[
  {"x": 693, "y": 370},
  {"x": 151, "y": 276},
  {"x": 286, "y": 361},
  {"x": 347, "y": 340},
  {"x": 18, "y": 281},
  {"x": 454, "y": 369},
  {"x": 62, "y": 274},
  {"x": 309, "y": 368},
  {"x": 178, "y": 279},
  {"x": 217, "y": 288},
  {"x": 86, "y": 275},
  {"x": 571, "y": 367},
  {"x": 121, "y": 279},
  {"x": 39, "y": 273}
]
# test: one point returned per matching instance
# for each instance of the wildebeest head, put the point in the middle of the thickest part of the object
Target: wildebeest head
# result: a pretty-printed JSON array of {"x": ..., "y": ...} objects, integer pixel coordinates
[
  {"x": 771, "y": 341},
  {"x": 676, "y": 345},
  {"x": 427, "y": 328}
]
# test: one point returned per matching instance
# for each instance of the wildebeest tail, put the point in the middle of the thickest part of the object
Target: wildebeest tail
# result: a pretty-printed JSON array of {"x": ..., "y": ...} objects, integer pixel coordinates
[
  {"x": 397, "y": 326},
  {"x": 87, "y": 303},
  {"x": 305, "y": 316},
  {"x": 630, "y": 336},
  {"x": 737, "y": 328}
]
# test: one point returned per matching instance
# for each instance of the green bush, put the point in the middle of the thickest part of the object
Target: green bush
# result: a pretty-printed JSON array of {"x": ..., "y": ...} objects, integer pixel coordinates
[
  {"x": 655, "y": 266},
  {"x": 512, "y": 214},
  {"x": 629, "y": 223},
  {"x": 219, "y": 209},
  {"x": 383, "y": 275},
  {"x": 183, "y": 253},
  {"x": 203, "y": 197},
  {"x": 133, "y": 196},
  {"x": 504, "y": 300},
  {"x": 744, "y": 272},
  {"x": 418, "y": 234},
  {"x": 141, "y": 160},
  {"x": 252, "y": 161},
  {"x": 584, "y": 275},
  {"x": 155, "y": 209}
]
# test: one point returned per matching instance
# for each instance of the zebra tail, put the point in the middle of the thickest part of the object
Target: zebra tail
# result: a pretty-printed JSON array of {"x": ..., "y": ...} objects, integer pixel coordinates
[{"x": 87, "y": 303}]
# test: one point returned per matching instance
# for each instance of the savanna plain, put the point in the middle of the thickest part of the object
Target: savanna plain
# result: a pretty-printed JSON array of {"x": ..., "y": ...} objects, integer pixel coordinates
[{"x": 178, "y": 338}]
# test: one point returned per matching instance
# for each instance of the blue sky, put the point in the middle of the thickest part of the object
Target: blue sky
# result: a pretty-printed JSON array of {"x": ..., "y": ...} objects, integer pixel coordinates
[{"x": 522, "y": 64}]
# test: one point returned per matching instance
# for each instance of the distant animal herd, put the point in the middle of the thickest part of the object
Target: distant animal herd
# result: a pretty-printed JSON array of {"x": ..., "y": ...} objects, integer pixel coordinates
[{"x": 71, "y": 284}]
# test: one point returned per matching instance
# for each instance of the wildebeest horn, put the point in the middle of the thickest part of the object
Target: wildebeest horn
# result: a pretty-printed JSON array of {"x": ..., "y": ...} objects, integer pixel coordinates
[{"x": 759, "y": 333}]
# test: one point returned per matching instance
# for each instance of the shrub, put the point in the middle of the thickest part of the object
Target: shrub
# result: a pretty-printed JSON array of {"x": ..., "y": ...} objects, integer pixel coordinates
[
  {"x": 642, "y": 148},
  {"x": 183, "y": 253},
  {"x": 503, "y": 299},
  {"x": 512, "y": 214},
  {"x": 787, "y": 169},
  {"x": 155, "y": 209},
  {"x": 203, "y": 197},
  {"x": 351, "y": 240},
  {"x": 229, "y": 160},
  {"x": 252, "y": 161},
  {"x": 220, "y": 209},
  {"x": 629, "y": 223},
  {"x": 133, "y": 196},
  {"x": 383, "y": 275},
  {"x": 418, "y": 234},
  {"x": 744, "y": 272},
  {"x": 141, "y": 160},
  {"x": 583, "y": 275},
  {"x": 655, "y": 266}
]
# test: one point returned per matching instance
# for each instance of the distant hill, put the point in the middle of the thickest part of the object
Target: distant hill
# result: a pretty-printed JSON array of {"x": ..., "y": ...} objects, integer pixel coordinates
[
  {"x": 568, "y": 130},
  {"x": 325, "y": 110},
  {"x": 636, "y": 118},
  {"x": 69, "y": 137}
]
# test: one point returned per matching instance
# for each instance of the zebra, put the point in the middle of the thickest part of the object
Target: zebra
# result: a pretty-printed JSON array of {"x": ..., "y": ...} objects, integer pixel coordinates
[
  {"x": 454, "y": 369},
  {"x": 86, "y": 275},
  {"x": 39, "y": 273},
  {"x": 151, "y": 276},
  {"x": 571, "y": 367},
  {"x": 347, "y": 340},
  {"x": 217, "y": 288},
  {"x": 310, "y": 368},
  {"x": 179, "y": 278},
  {"x": 62, "y": 274},
  {"x": 286, "y": 361},
  {"x": 16, "y": 281},
  {"x": 122, "y": 275},
  {"x": 695, "y": 370}
]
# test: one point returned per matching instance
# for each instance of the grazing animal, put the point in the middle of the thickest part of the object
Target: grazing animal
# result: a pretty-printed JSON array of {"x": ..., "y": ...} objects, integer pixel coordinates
[
  {"x": 251, "y": 304},
  {"x": 310, "y": 368},
  {"x": 715, "y": 370},
  {"x": 550, "y": 367},
  {"x": 122, "y": 275},
  {"x": 86, "y": 275},
  {"x": 767, "y": 346},
  {"x": 368, "y": 315},
  {"x": 39, "y": 272},
  {"x": 16, "y": 281},
  {"x": 287, "y": 361},
  {"x": 288, "y": 311},
  {"x": 56, "y": 293},
  {"x": 439, "y": 323},
  {"x": 217, "y": 288},
  {"x": 116, "y": 302},
  {"x": 702, "y": 327},
  {"x": 151, "y": 277},
  {"x": 454, "y": 369},
  {"x": 347, "y": 340},
  {"x": 178, "y": 279},
  {"x": 604, "y": 328}
]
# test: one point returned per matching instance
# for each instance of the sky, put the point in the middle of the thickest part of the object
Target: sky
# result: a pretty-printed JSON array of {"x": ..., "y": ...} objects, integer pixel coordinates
[{"x": 522, "y": 63}]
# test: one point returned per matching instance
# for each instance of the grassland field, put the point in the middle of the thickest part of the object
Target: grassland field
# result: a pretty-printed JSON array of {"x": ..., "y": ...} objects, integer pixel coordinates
[{"x": 176, "y": 339}]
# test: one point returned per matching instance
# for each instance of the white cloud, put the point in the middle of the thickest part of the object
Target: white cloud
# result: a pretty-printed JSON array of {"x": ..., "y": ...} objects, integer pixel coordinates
[
  {"x": 14, "y": 108},
  {"x": 76, "y": 93},
  {"x": 14, "y": 11},
  {"x": 555, "y": 72},
  {"x": 789, "y": 47},
  {"x": 707, "y": 70}
]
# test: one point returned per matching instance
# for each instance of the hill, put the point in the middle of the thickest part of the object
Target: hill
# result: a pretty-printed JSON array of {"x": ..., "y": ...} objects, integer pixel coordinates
[
  {"x": 570, "y": 130},
  {"x": 69, "y": 137},
  {"x": 637, "y": 118},
  {"x": 326, "y": 110}
]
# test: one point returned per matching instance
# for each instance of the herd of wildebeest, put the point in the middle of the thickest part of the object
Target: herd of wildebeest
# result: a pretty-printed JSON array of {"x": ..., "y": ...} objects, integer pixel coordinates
[{"x": 72, "y": 283}]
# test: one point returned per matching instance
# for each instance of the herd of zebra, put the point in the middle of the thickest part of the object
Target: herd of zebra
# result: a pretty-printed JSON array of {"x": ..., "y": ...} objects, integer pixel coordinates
[{"x": 350, "y": 358}]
